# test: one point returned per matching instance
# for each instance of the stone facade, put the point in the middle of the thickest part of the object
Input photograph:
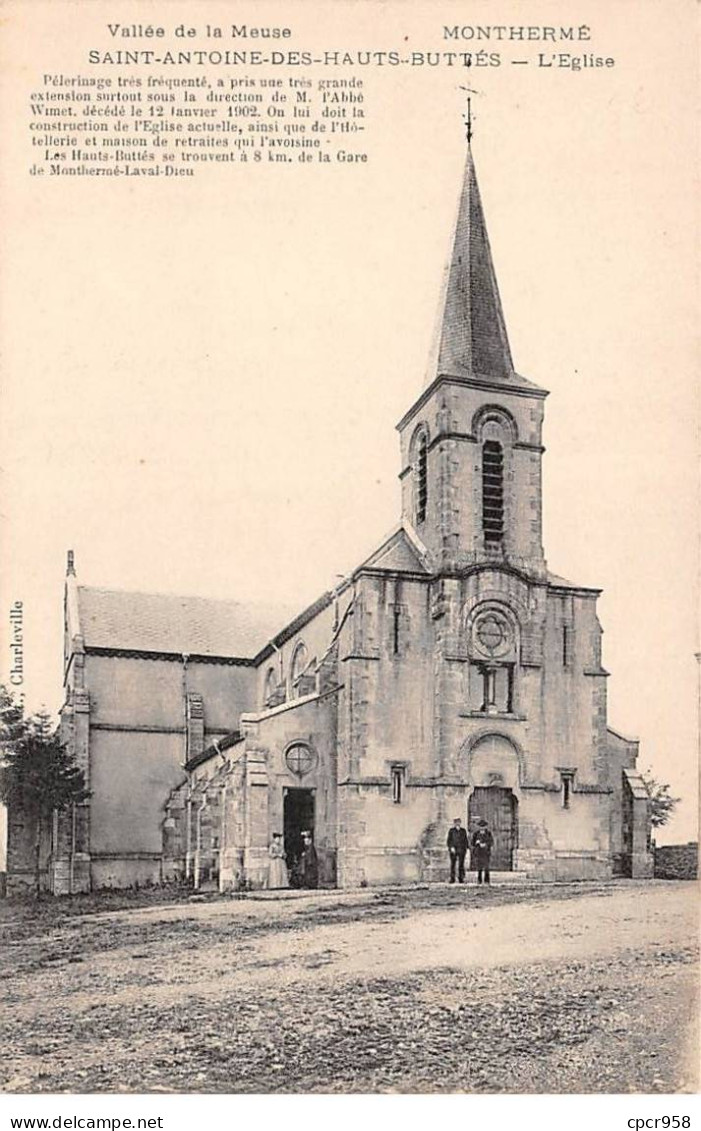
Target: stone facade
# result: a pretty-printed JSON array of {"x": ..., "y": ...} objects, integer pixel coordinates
[{"x": 451, "y": 674}]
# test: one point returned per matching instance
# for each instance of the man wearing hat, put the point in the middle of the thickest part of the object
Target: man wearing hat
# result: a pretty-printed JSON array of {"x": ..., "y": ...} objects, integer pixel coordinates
[
  {"x": 481, "y": 845},
  {"x": 308, "y": 862},
  {"x": 457, "y": 848}
]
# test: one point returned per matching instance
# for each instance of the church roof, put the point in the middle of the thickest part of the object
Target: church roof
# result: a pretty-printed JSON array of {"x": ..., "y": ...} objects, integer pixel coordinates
[
  {"x": 471, "y": 339},
  {"x": 165, "y": 622},
  {"x": 398, "y": 553},
  {"x": 637, "y": 784},
  {"x": 558, "y": 582}
]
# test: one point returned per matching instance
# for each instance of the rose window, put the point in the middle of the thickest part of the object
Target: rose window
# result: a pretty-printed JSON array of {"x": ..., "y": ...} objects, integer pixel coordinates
[
  {"x": 493, "y": 634},
  {"x": 300, "y": 759}
]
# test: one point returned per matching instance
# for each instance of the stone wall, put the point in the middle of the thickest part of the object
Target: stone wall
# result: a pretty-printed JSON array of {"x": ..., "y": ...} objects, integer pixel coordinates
[
  {"x": 21, "y": 854},
  {"x": 454, "y": 417},
  {"x": 310, "y": 722},
  {"x": 677, "y": 861},
  {"x": 140, "y": 736},
  {"x": 276, "y": 671}
]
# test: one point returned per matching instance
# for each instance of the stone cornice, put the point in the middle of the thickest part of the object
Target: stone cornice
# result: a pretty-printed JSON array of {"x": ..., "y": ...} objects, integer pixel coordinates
[
  {"x": 170, "y": 657},
  {"x": 295, "y": 625},
  {"x": 146, "y": 728},
  {"x": 503, "y": 387},
  {"x": 375, "y": 781},
  {"x": 574, "y": 590},
  {"x": 394, "y": 574},
  {"x": 469, "y": 438},
  {"x": 272, "y": 712}
]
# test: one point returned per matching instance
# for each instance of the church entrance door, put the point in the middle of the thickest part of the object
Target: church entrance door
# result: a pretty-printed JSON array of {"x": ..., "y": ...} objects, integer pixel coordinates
[
  {"x": 499, "y": 808},
  {"x": 298, "y": 817}
]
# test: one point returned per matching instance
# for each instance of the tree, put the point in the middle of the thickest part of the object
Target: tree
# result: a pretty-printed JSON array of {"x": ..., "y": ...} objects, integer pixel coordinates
[
  {"x": 37, "y": 774},
  {"x": 662, "y": 804}
]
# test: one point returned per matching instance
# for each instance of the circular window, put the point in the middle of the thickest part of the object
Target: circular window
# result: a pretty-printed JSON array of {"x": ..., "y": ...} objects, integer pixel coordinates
[
  {"x": 492, "y": 633},
  {"x": 300, "y": 759}
]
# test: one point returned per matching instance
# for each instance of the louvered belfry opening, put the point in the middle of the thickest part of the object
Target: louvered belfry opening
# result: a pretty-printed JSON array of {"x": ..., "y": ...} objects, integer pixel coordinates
[
  {"x": 422, "y": 485},
  {"x": 492, "y": 491}
]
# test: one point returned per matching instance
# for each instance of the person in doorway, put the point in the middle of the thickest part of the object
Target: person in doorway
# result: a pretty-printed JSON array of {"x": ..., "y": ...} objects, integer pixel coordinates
[
  {"x": 308, "y": 863},
  {"x": 457, "y": 850},
  {"x": 481, "y": 845},
  {"x": 277, "y": 869}
]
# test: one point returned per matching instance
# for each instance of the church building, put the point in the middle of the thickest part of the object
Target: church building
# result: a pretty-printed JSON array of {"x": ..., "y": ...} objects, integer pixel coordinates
[{"x": 449, "y": 675}]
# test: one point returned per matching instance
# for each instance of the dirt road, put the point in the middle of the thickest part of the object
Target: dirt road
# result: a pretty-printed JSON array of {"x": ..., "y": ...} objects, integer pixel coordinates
[{"x": 567, "y": 988}]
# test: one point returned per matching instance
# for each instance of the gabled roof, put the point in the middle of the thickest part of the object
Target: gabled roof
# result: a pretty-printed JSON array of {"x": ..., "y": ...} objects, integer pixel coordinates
[
  {"x": 165, "y": 622},
  {"x": 397, "y": 554}
]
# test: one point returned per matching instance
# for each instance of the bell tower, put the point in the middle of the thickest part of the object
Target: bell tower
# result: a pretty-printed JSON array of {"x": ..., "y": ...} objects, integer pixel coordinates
[{"x": 471, "y": 443}]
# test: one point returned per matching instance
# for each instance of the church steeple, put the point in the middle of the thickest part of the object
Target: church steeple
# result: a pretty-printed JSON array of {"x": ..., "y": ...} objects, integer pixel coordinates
[
  {"x": 471, "y": 339},
  {"x": 471, "y": 444}
]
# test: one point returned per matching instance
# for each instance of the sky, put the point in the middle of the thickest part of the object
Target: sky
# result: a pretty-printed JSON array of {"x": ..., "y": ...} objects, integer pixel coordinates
[{"x": 203, "y": 376}]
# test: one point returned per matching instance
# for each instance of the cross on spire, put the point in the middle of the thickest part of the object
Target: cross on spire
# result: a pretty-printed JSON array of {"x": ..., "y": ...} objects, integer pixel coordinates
[{"x": 468, "y": 118}]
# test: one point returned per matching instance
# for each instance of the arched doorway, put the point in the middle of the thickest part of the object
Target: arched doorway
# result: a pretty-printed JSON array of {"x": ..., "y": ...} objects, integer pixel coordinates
[
  {"x": 298, "y": 815},
  {"x": 499, "y": 808}
]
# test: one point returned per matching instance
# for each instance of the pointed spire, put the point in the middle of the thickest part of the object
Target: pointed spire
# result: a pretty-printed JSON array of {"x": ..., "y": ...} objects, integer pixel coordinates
[{"x": 472, "y": 339}]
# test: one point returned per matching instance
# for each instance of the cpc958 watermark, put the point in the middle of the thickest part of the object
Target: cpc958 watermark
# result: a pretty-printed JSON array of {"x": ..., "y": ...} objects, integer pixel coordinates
[{"x": 657, "y": 1121}]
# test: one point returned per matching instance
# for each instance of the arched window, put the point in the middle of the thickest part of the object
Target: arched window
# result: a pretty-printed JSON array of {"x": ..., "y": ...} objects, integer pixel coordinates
[
  {"x": 421, "y": 478},
  {"x": 299, "y": 669},
  {"x": 492, "y": 491},
  {"x": 492, "y": 641},
  {"x": 270, "y": 688},
  {"x": 299, "y": 662}
]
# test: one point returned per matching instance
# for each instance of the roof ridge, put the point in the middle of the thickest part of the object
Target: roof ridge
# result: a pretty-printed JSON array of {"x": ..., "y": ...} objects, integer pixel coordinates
[
  {"x": 174, "y": 622},
  {"x": 183, "y": 596}
]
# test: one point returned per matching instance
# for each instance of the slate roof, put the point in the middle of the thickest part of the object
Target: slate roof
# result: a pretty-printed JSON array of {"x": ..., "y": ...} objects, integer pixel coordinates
[
  {"x": 397, "y": 553},
  {"x": 164, "y": 622},
  {"x": 470, "y": 340},
  {"x": 637, "y": 785},
  {"x": 563, "y": 583},
  {"x": 473, "y": 338}
]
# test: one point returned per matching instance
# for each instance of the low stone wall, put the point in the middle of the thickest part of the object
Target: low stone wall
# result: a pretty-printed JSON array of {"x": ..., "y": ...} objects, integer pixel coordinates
[{"x": 677, "y": 861}]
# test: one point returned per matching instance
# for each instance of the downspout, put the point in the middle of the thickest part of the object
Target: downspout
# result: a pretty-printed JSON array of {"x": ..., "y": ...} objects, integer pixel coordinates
[
  {"x": 71, "y": 886},
  {"x": 222, "y": 835},
  {"x": 188, "y": 837},
  {"x": 51, "y": 877},
  {"x": 188, "y": 828},
  {"x": 198, "y": 843},
  {"x": 186, "y": 708}
]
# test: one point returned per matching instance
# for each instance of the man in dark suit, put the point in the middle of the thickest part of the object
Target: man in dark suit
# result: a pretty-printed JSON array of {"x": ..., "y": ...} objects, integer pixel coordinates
[
  {"x": 481, "y": 845},
  {"x": 457, "y": 847},
  {"x": 309, "y": 864}
]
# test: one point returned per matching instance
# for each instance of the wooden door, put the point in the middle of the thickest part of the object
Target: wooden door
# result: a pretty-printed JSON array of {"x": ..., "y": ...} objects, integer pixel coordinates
[{"x": 498, "y": 807}]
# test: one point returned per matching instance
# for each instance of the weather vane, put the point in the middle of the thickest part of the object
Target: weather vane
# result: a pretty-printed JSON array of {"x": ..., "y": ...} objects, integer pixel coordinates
[{"x": 468, "y": 119}]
